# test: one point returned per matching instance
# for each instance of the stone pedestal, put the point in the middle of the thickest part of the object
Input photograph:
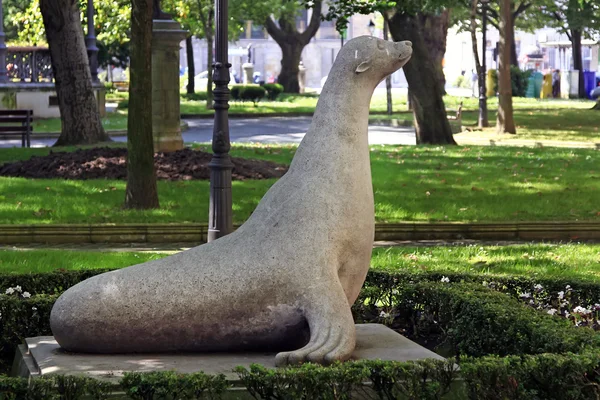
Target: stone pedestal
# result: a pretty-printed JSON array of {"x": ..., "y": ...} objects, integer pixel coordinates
[
  {"x": 248, "y": 73},
  {"x": 302, "y": 77},
  {"x": 42, "y": 356},
  {"x": 166, "y": 117}
]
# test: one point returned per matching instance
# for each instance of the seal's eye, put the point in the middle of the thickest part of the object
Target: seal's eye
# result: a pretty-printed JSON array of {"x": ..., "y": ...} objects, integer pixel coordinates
[{"x": 380, "y": 45}]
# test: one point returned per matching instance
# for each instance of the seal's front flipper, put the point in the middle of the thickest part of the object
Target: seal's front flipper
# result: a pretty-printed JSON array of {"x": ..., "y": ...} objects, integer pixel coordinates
[{"x": 332, "y": 331}]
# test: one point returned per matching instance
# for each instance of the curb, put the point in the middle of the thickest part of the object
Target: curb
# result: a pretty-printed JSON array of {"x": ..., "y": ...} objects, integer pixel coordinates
[
  {"x": 54, "y": 135},
  {"x": 197, "y": 233},
  {"x": 278, "y": 114}
]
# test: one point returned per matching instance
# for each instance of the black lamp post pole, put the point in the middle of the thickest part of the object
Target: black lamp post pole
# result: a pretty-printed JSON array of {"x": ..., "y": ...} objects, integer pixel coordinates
[
  {"x": 483, "y": 112},
  {"x": 219, "y": 218},
  {"x": 3, "y": 72},
  {"x": 90, "y": 41}
]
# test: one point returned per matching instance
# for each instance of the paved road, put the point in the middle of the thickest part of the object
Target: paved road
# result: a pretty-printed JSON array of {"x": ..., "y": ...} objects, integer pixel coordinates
[{"x": 259, "y": 130}]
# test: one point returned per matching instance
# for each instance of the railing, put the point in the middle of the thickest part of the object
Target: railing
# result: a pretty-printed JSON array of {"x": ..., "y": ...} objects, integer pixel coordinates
[{"x": 29, "y": 64}]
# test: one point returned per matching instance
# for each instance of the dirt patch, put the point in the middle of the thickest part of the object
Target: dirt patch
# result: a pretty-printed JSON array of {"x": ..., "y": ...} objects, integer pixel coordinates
[{"x": 111, "y": 163}]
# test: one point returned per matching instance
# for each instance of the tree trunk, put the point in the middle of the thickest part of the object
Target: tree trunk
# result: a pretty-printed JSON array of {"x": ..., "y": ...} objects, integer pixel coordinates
[
  {"x": 290, "y": 59},
  {"x": 79, "y": 114},
  {"x": 189, "y": 47},
  {"x": 505, "y": 122},
  {"x": 292, "y": 43},
  {"x": 578, "y": 60},
  {"x": 209, "y": 83},
  {"x": 141, "y": 192},
  {"x": 431, "y": 121},
  {"x": 435, "y": 34}
]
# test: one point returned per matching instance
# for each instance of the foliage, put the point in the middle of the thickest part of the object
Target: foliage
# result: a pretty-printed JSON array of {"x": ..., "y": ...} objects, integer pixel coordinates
[
  {"x": 519, "y": 81},
  {"x": 198, "y": 96},
  {"x": 111, "y": 23},
  {"x": 273, "y": 90},
  {"x": 171, "y": 385},
  {"x": 462, "y": 81},
  {"x": 569, "y": 15},
  {"x": 253, "y": 93},
  {"x": 61, "y": 387}
]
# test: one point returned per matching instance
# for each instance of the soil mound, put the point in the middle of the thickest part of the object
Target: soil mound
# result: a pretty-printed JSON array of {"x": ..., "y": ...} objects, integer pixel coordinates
[{"x": 111, "y": 163}]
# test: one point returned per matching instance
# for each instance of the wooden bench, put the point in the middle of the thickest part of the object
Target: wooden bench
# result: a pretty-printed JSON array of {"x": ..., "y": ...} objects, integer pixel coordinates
[
  {"x": 456, "y": 120},
  {"x": 121, "y": 86},
  {"x": 17, "y": 122}
]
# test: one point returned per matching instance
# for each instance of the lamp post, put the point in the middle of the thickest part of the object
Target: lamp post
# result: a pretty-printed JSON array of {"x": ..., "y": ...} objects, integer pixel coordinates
[
  {"x": 483, "y": 112},
  {"x": 90, "y": 42},
  {"x": 3, "y": 72},
  {"x": 219, "y": 219}
]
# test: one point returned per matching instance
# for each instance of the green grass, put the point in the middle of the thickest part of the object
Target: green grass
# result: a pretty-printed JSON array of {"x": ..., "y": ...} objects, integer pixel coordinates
[
  {"x": 34, "y": 261},
  {"x": 410, "y": 184},
  {"x": 575, "y": 261},
  {"x": 113, "y": 121}
]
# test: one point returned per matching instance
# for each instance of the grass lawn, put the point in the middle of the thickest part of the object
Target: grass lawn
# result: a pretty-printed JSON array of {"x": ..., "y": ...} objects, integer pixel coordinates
[
  {"x": 33, "y": 261},
  {"x": 576, "y": 261},
  {"x": 410, "y": 184},
  {"x": 113, "y": 121}
]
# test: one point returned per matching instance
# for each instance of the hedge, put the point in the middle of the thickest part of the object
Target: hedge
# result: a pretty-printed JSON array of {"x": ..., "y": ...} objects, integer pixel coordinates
[
  {"x": 253, "y": 93},
  {"x": 505, "y": 349},
  {"x": 273, "y": 90},
  {"x": 519, "y": 81}
]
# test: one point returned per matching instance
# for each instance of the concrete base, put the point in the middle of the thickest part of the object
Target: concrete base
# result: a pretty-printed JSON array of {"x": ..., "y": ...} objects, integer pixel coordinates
[{"x": 42, "y": 356}]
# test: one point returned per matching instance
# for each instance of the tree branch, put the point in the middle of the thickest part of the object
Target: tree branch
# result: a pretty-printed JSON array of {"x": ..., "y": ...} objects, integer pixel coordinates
[
  {"x": 273, "y": 30},
  {"x": 521, "y": 9},
  {"x": 315, "y": 22}
]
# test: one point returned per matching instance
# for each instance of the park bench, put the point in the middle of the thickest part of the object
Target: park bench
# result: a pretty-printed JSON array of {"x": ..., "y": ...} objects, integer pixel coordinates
[
  {"x": 121, "y": 86},
  {"x": 456, "y": 120},
  {"x": 17, "y": 122}
]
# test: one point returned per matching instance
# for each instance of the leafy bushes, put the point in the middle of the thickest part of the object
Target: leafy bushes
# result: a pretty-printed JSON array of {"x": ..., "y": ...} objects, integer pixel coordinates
[
  {"x": 502, "y": 346},
  {"x": 273, "y": 90},
  {"x": 462, "y": 81},
  {"x": 253, "y": 93},
  {"x": 519, "y": 80},
  {"x": 197, "y": 96}
]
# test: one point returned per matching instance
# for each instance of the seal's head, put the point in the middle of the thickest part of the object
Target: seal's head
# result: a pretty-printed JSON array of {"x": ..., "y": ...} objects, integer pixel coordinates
[{"x": 374, "y": 58}]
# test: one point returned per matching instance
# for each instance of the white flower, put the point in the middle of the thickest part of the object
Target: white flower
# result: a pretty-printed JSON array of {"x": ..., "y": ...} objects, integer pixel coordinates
[
  {"x": 552, "y": 311},
  {"x": 538, "y": 287},
  {"x": 581, "y": 310},
  {"x": 26, "y": 295},
  {"x": 445, "y": 279},
  {"x": 34, "y": 308},
  {"x": 561, "y": 295},
  {"x": 383, "y": 314},
  {"x": 531, "y": 302},
  {"x": 485, "y": 283},
  {"x": 525, "y": 295},
  {"x": 18, "y": 288},
  {"x": 567, "y": 314},
  {"x": 568, "y": 287},
  {"x": 9, "y": 291}
]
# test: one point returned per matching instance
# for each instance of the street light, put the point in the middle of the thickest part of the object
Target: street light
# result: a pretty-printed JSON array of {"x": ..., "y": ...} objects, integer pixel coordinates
[
  {"x": 219, "y": 216},
  {"x": 372, "y": 27}
]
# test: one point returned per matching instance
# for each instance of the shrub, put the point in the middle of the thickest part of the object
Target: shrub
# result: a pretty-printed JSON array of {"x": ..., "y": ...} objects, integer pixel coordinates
[
  {"x": 123, "y": 104},
  {"x": 273, "y": 90},
  {"x": 171, "y": 385},
  {"x": 251, "y": 93},
  {"x": 519, "y": 81},
  {"x": 462, "y": 81},
  {"x": 197, "y": 96},
  {"x": 54, "y": 387}
]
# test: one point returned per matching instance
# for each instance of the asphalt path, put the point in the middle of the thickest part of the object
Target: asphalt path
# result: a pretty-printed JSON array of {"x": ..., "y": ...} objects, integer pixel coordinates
[{"x": 258, "y": 130}]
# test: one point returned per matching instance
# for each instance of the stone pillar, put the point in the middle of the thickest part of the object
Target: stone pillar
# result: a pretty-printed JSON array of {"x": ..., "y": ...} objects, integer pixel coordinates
[
  {"x": 166, "y": 117},
  {"x": 302, "y": 77},
  {"x": 248, "y": 73}
]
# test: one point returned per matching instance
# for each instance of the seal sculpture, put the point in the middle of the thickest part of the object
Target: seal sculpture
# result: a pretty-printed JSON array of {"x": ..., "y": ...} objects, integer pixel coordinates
[{"x": 285, "y": 280}]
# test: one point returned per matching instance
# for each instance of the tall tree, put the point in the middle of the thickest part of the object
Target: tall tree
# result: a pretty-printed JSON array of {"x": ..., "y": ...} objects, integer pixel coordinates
[
  {"x": 505, "y": 122},
  {"x": 407, "y": 21},
  {"x": 79, "y": 114},
  {"x": 292, "y": 41},
  {"x": 141, "y": 192},
  {"x": 577, "y": 19},
  {"x": 435, "y": 34}
]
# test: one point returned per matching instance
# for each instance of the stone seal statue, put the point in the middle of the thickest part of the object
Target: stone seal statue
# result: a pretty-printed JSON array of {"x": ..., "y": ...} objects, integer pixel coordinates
[{"x": 285, "y": 280}]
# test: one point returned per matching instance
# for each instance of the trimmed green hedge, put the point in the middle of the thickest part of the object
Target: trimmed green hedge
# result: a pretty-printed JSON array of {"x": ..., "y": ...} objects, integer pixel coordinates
[
  {"x": 253, "y": 93},
  {"x": 273, "y": 90},
  {"x": 503, "y": 346}
]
